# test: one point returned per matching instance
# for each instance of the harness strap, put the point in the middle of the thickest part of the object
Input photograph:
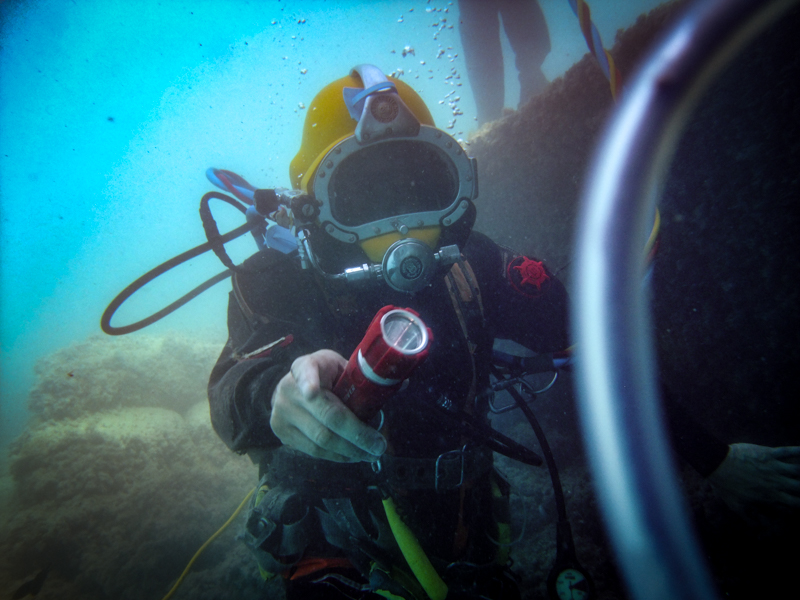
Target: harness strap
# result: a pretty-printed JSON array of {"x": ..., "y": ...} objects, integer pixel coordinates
[
  {"x": 279, "y": 527},
  {"x": 344, "y": 529},
  {"x": 253, "y": 318},
  {"x": 442, "y": 473},
  {"x": 448, "y": 471},
  {"x": 465, "y": 295},
  {"x": 468, "y": 305},
  {"x": 466, "y": 298}
]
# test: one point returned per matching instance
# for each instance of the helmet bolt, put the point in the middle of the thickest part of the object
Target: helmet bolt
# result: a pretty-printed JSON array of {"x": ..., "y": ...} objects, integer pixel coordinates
[
  {"x": 329, "y": 164},
  {"x": 329, "y": 229},
  {"x": 321, "y": 174},
  {"x": 308, "y": 210},
  {"x": 447, "y": 221}
]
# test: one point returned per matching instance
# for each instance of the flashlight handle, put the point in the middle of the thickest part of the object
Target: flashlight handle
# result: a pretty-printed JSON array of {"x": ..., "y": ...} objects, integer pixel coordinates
[
  {"x": 364, "y": 397},
  {"x": 376, "y": 370}
]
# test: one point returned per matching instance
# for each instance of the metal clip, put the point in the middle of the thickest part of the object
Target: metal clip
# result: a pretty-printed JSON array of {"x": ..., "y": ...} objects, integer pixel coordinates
[
  {"x": 523, "y": 387},
  {"x": 443, "y": 463}
]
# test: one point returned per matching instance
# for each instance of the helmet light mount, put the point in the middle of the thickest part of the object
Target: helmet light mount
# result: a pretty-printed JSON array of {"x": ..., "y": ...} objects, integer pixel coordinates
[{"x": 377, "y": 108}]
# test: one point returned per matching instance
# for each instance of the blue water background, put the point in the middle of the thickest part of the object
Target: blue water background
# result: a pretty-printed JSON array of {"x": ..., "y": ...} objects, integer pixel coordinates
[{"x": 111, "y": 111}]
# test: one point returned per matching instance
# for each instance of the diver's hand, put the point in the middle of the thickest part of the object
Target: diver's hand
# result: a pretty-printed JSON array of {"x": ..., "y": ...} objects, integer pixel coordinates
[
  {"x": 758, "y": 482},
  {"x": 308, "y": 416}
]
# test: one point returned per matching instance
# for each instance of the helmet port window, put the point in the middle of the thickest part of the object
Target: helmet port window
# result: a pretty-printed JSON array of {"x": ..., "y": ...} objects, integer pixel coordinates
[{"x": 389, "y": 179}]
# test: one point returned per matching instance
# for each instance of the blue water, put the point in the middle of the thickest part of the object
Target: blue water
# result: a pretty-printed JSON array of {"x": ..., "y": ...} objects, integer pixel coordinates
[{"x": 111, "y": 111}]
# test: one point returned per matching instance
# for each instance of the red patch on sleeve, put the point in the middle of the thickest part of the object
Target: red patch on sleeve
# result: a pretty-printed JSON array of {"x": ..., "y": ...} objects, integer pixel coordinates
[{"x": 528, "y": 277}]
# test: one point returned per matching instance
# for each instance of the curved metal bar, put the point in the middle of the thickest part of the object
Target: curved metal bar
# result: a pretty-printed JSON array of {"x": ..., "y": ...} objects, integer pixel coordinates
[{"x": 629, "y": 453}]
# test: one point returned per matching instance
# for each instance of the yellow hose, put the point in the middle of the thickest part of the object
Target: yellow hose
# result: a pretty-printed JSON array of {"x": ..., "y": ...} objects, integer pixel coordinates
[
  {"x": 204, "y": 546},
  {"x": 414, "y": 554}
]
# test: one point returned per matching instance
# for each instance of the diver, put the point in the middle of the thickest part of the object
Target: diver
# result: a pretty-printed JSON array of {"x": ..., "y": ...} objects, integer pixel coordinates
[
  {"x": 408, "y": 503},
  {"x": 390, "y": 206},
  {"x": 383, "y": 207}
]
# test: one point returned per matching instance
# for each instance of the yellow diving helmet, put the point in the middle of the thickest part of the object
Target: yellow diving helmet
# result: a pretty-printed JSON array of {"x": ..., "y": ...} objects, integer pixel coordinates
[{"x": 383, "y": 176}]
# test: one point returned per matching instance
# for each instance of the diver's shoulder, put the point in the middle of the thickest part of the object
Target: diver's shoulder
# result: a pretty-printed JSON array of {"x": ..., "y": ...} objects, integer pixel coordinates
[
  {"x": 482, "y": 253},
  {"x": 480, "y": 245},
  {"x": 268, "y": 260},
  {"x": 270, "y": 281}
]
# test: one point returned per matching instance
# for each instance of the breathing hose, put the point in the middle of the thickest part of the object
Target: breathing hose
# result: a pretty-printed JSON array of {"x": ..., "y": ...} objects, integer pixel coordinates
[
  {"x": 636, "y": 481},
  {"x": 216, "y": 242}
]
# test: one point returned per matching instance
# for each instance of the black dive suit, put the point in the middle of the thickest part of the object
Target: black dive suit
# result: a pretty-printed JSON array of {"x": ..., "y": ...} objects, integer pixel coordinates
[{"x": 278, "y": 300}]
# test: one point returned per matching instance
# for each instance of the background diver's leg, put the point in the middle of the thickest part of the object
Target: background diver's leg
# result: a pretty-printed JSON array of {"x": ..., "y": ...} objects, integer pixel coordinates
[
  {"x": 480, "y": 37},
  {"x": 526, "y": 28}
]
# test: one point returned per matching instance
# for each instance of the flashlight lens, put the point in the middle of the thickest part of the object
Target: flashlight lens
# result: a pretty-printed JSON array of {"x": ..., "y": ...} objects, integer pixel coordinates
[{"x": 404, "y": 332}]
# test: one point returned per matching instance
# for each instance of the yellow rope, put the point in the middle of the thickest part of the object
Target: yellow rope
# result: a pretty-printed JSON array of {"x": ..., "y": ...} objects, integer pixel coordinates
[{"x": 204, "y": 546}]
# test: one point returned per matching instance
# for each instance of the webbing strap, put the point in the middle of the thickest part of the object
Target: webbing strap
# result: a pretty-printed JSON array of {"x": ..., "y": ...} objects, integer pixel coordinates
[{"x": 468, "y": 304}]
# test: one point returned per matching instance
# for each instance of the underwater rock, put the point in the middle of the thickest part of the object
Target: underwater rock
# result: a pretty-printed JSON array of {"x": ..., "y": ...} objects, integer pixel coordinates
[
  {"x": 104, "y": 373},
  {"x": 532, "y": 163},
  {"x": 117, "y": 496}
]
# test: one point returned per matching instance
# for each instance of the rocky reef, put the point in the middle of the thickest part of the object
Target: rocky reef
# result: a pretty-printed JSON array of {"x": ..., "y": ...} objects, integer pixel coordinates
[
  {"x": 532, "y": 163},
  {"x": 120, "y": 477}
]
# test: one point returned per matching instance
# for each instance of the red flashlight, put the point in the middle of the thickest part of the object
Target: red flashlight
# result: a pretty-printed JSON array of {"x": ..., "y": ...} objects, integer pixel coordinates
[{"x": 395, "y": 343}]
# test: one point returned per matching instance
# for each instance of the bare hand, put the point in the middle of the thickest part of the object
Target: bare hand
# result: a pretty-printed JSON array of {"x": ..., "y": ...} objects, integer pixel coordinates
[
  {"x": 308, "y": 416},
  {"x": 759, "y": 483}
]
